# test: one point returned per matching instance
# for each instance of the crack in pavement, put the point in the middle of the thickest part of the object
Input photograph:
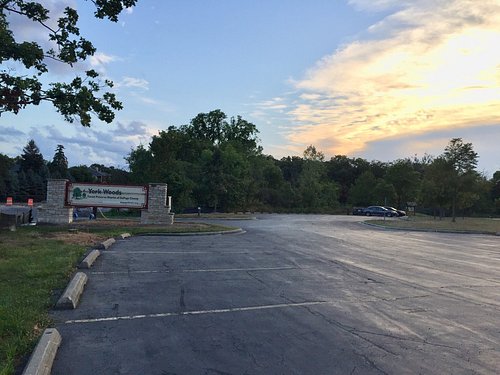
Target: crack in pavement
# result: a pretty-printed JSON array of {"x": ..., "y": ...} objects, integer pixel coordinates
[
  {"x": 372, "y": 364},
  {"x": 448, "y": 294},
  {"x": 350, "y": 330},
  {"x": 359, "y": 333}
]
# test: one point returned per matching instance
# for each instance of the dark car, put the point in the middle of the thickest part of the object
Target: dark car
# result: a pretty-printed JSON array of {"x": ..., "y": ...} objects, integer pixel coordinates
[
  {"x": 358, "y": 211},
  {"x": 398, "y": 212},
  {"x": 379, "y": 211}
]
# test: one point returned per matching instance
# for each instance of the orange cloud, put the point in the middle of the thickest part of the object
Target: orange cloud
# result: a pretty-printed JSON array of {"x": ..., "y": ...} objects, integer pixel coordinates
[{"x": 426, "y": 67}]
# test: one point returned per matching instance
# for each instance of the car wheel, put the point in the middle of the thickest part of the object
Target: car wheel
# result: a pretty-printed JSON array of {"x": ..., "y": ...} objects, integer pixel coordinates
[{"x": 368, "y": 214}]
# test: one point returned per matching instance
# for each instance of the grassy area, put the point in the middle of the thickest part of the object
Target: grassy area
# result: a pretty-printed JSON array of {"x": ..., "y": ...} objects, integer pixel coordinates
[
  {"x": 420, "y": 222},
  {"x": 36, "y": 263}
]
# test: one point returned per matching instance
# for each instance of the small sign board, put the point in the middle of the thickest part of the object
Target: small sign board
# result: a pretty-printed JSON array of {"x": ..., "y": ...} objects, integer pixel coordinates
[
  {"x": 101, "y": 195},
  {"x": 410, "y": 207},
  {"x": 9, "y": 201},
  {"x": 30, "y": 202}
]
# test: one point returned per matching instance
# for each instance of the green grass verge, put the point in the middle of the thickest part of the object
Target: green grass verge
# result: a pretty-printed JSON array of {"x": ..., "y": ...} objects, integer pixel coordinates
[
  {"x": 35, "y": 266},
  {"x": 30, "y": 270},
  {"x": 421, "y": 222}
]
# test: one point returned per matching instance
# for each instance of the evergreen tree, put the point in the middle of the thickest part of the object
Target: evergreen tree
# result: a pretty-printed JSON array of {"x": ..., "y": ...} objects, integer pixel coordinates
[
  {"x": 31, "y": 158},
  {"x": 5, "y": 167},
  {"x": 33, "y": 173},
  {"x": 58, "y": 168}
]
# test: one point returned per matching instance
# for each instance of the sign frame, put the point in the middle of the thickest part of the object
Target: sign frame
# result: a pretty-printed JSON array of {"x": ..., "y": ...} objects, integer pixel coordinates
[{"x": 71, "y": 203}]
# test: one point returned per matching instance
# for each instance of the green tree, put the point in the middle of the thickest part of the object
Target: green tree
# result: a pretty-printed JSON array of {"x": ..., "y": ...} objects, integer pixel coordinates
[
  {"x": 213, "y": 129},
  {"x": 463, "y": 159},
  {"x": 362, "y": 192},
  {"x": 495, "y": 191},
  {"x": 343, "y": 171},
  {"x": 436, "y": 185},
  {"x": 58, "y": 168},
  {"x": 405, "y": 180},
  {"x": 317, "y": 192},
  {"x": 31, "y": 158},
  {"x": 209, "y": 127},
  {"x": 204, "y": 163},
  {"x": 140, "y": 162},
  {"x": 378, "y": 168},
  {"x": 77, "y": 99},
  {"x": 384, "y": 193},
  {"x": 291, "y": 167},
  {"x": 80, "y": 173},
  {"x": 242, "y": 134},
  {"x": 225, "y": 178},
  {"x": 310, "y": 153},
  {"x": 33, "y": 174},
  {"x": 6, "y": 164},
  {"x": 266, "y": 184}
]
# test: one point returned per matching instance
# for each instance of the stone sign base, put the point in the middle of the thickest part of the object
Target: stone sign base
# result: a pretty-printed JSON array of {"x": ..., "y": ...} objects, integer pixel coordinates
[
  {"x": 158, "y": 212},
  {"x": 55, "y": 211},
  {"x": 54, "y": 215}
]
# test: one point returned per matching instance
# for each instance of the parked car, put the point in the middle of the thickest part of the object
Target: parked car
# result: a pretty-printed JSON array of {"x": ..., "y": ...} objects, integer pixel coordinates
[
  {"x": 398, "y": 212},
  {"x": 358, "y": 211},
  {"x": 379, "y": 211}
]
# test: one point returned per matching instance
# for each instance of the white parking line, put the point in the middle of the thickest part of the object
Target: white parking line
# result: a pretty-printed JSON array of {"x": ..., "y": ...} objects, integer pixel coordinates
[
  {"x": 198, "y": 312},
  {"x": 244, "y": 269},
  {"x": 198, "y": 270}
]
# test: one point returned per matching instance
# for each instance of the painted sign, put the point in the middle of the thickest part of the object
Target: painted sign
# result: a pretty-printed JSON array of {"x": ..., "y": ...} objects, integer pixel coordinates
[
  {"x": 30, "y": 202},
  {"x": 9, "y": 201},
  {"x": 99, "y": 195}
]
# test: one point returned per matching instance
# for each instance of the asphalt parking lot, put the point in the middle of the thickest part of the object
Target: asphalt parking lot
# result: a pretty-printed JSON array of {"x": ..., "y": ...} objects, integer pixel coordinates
[{"x": 294, "y": 294}]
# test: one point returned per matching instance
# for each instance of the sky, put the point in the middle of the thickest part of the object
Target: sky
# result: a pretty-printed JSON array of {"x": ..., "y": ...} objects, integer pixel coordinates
[{"x": 378, "y": 79}]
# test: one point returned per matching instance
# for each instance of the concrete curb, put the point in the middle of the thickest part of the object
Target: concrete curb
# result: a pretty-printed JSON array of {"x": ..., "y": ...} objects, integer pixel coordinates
[
  {"x": 71, "y": 296},
  {"x": 90, "y": 259},
  {"x": 124, "y": 235},
  {"x": 41, "y": 360},
  {"x": 106, "y": 244},
  {"x": 428, "y": 230},
  {"x": 234, "y": 231}
]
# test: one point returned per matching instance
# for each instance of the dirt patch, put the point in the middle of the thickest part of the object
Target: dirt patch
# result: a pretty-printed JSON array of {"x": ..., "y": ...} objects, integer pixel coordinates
[
  {"x": 106, "y": 223},
  {"x": 133, "y": 223},
  {"x": 77, "y": 238}
]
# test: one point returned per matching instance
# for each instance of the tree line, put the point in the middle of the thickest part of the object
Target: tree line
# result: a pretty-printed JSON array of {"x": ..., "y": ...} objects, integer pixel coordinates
[{"x": 216, "y": 163}]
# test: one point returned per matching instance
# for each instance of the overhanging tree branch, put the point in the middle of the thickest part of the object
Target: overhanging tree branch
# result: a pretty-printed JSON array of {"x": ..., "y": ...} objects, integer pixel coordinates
[{"x": 75, "y": 100}]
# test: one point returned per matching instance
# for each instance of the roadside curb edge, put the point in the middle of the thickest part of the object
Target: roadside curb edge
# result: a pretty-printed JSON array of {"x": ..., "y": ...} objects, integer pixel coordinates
[{"x": 43, "y": 356}]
